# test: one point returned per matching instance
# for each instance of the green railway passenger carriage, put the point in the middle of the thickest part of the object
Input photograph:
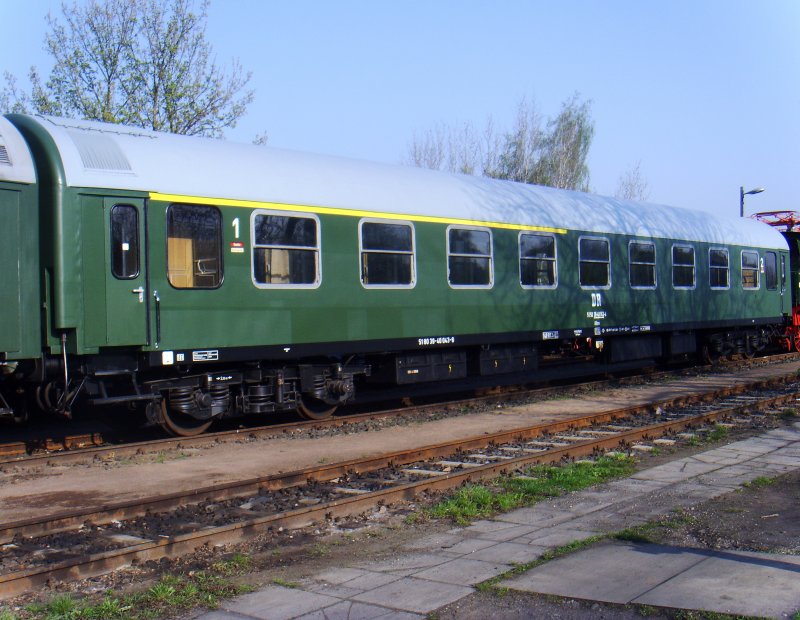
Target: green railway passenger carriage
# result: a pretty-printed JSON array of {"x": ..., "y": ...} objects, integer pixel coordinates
[{"x": 201, "y": 278}]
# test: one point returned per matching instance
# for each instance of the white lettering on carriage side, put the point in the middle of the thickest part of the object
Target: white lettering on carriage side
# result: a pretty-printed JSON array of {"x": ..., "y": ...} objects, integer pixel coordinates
[
  {"x": 427, "y": 342},
  {"x": 549, "y": 335},
  {"x": 205, "y": 356}
]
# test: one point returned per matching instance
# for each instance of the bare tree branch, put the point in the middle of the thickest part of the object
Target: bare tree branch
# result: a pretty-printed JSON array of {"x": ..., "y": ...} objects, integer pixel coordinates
[
  {"x": 632, "y": 185},
  {"x": 532, "y": 151}
]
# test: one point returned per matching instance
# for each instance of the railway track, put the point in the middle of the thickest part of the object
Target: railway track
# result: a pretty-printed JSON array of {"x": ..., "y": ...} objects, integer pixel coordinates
[
  {"x": 81, "y": 544},
  {"x": 96, "y": 445}
]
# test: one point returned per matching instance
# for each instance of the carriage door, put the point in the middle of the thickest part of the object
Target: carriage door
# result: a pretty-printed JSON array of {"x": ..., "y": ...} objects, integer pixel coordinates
[
  {"x": 783, "y": 283},
  {"x": 126, "y": 281}
]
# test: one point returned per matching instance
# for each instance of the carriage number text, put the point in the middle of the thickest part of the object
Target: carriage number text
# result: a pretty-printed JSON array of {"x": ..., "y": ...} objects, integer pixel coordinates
[{"x": 424, "y": 342}]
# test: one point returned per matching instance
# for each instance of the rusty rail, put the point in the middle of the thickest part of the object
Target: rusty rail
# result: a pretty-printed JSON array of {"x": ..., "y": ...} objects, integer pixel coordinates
[{"x": 97, "y": 564}]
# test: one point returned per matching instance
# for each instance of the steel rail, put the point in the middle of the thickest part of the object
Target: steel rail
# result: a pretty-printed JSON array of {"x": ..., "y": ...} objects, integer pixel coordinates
[
  {"x": 17, "y": 582},
  {"x": 106, "y": 513},
  {"x": 72, "y": 449}
]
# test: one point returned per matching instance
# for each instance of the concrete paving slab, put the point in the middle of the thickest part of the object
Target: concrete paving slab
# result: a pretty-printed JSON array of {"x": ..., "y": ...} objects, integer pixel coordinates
[
  {"x": 733, "y": 583},
  {"x": 436, "y": 541},
  {"x": 507, "y": 534},
  {"x": 579, "y": 504},
  {"x": 509, "y": 553},
  {"x": 416, "y": 595},
  {"x": 730, "y": 476},
  {"x": 629, "y": 488},
  {"x": 464, "y": 571},
  {"x": 222, "y": 615},
  {"x": 717, "y": 457},
  {"x": 364, "y": 581},
  {"x": 406, "y": 564},
  {"x": 328, "y": 589},
  {"x": 598, "y": 522},
  {"x": 348, "y": 610},
  {"x": 676, "y": 471},
  {"x": 468, "y": 546},
  {"x": 729, "y": 453},
  {"x": 558, "y": 536},
  {"x": 484, "y": 526},
  {"x": 611, "y": 572},
  {"x": 757, "y": 446},
  {"x": 787, "y": 434},
  {"x": 339, "y": 575},
  {"x": 535, "y": 517},
  {"x": 371, "y": 580},
  {"x": 776, "y": 459},
  {"x": 642, "y": 511},
  {"x": 278, "y": 603}
]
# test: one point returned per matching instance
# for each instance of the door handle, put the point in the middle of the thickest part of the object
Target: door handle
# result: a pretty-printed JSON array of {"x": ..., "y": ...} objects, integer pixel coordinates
[{"x": 139, "y": 291}]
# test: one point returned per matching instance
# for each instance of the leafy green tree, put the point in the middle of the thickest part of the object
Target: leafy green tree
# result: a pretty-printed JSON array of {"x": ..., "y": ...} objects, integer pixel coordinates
[{"x": 141, "y": 62}]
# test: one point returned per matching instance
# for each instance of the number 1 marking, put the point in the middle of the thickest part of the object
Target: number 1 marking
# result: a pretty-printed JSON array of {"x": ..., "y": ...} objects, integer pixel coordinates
[{"x": 235, "y": 225}]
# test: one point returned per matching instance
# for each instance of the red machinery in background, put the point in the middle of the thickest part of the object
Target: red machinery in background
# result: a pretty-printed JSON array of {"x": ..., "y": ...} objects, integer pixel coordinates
[{"x": 788, "y": 223}]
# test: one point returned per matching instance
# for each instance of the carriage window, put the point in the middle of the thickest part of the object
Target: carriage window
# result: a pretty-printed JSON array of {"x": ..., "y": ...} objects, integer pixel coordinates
[
  {"x": 124, "y": 242},
  {"x": 594, "y": 256},
  {"x": 682, "y": 266},
  {"x": 285, "y": 250},
  {"x": 642, "y": 264},
  {"x": 537, "y": 260},
  {"x": 387, "y": 254},
  {"x": 194, "y": 246},
  {"x": 718, "y": 268},
  {"x": 749, "y": 269},
  {"x": 771, "y": 270},
  {"x": 469, "y": 257}
]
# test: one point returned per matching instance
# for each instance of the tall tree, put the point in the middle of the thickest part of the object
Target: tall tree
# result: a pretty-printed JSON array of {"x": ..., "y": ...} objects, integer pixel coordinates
[
  {"x": 566, "y": 147},
  {"x": 141, "y": 62},
  {"x": 519, "y": 157},
  {"x": 532, "y": 151}
]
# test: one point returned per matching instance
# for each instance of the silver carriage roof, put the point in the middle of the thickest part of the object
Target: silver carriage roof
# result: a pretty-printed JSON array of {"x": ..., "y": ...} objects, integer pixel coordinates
[
  {"x": 16, "y": 163},
  {"x": 102, "y": 155}
]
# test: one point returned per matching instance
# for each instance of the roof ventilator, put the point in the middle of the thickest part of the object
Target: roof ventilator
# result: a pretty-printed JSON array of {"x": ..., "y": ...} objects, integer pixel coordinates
[{"x": 99, "y": 152}]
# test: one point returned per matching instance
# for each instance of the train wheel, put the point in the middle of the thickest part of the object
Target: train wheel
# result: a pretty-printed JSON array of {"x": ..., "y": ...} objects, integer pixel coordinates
[
  {"x": 710, "y": 356},
  {"x": 180, "y": 424},
  {"x": 314, "y": 409}
]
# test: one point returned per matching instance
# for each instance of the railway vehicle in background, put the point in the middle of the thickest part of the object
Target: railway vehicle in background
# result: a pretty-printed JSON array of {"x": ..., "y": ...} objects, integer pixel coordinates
[
  {"x": 788, "y": 223},
  {"x": 199, "y": 278}
]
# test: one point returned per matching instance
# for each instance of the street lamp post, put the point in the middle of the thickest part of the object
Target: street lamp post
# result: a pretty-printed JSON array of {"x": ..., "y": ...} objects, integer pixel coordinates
[{"x": 743, "y": 193}]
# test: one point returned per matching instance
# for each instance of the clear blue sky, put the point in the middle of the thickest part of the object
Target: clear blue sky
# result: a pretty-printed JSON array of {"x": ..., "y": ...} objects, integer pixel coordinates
[{"x": 705, "y": 93}]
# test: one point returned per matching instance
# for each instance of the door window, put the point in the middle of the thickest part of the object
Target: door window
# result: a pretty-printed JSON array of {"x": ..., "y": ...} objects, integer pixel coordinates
[{"x": 124, "y": 242}]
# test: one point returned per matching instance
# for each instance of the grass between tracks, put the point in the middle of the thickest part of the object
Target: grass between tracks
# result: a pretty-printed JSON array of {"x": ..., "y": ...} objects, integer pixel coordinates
[{"x": 535, "y": 484}]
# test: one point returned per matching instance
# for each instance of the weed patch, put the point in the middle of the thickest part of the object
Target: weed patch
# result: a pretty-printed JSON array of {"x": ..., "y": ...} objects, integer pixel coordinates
[
  {"x": 538, "y": 483},
  {"x": 788, "y": 414},
  {"x": 172, "y": 592},
  {"x": 759, "y": 483},
  {"x": 718, "y": 434}
]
